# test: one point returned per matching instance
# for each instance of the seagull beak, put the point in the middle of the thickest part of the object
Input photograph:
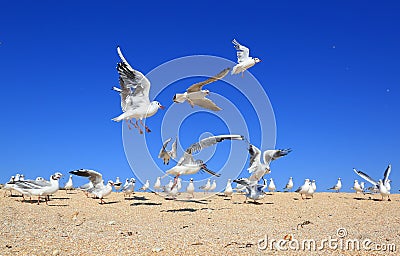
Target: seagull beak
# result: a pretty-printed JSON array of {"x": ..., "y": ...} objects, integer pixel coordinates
[
  {"x": 162, "y": 107},
  {"x": 174, "y": 99}
]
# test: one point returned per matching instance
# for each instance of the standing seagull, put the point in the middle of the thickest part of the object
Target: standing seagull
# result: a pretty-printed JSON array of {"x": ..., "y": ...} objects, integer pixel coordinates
[
  {"x": 190, "y": 188},
  {"x": 167, "y": 155},
  {"x": 9, "y": 185},
  {"x": 258, "y": 169},
  {"x": 271, "y": 185},
  {"x": 228, "y": 189},
  {"x": 187, "y": 164},
  {"x": 98, "y": 188},
  {"x": 244, "y": 60},
  {"x": 357, "y": 187},
  {"x": 146, "y": 186},
  {"x": 135, "y": 104},
  {"x": 337, "y": 186},
  {"x": 157, "y": 185},
  {"x": 289, "y": 185},
  {"x": 117, "y": 183},
  {"x": 253, "y": 190},
  {"x": 194, "y": 95},
  {"x": 207, "y": 186},
  {"x": 69, "y": 185},
  {"x": 381, "y": 183},
  {"x": 304, "y": 188},
  {"x": 129, "y": 188}
]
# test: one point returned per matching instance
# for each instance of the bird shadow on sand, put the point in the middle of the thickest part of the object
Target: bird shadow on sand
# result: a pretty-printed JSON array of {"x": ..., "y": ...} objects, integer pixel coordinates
[
  {"x": 111, "y": 202},
  {"x": 191, "y": 201},
  {"x": 59, "y": 205},
  {"x": 140, "y": 198},
  {"x": 60, "y": 198},
  {"x": 145, "y": 203},
  {"x": 181, "y": 210},
  {"x": 252, "y": 202}
]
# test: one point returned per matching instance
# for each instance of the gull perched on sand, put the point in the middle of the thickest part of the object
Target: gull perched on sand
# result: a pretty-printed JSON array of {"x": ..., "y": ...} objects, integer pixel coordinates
[
  {"x": 167, "y": 155},
  {"x": 357, "y": 187},
  {"x": 9, "y": 186},
  {"x": 253, "y": 190},
  {"x": 311, "y": 189},
  {"x": 289, "y": 185},
  {"x": 337, "y": 186},
  {"x": 69, "y": 185},
  {"x": 129, "y": 188},
  {"x": 243, "y": 58},
  {"x": 39, "y": 188},
  {"x": 117, "y": 183},
  {"x": 271, "y": 185},
  {"x": 187, "y": 165},
  {"x": 207, "y": 186},
  {"x": 145, "y": 186},
  {"x": 135, "y": 104},
  {"x": 228, "y": 189},
  {"x": 313, "y": 185},
  {"x": 190, "y": 188},
  {"x": 258, "y": 169},
  {"x": 157, "y": 185},
  {"x": 382, "y": 186},
  {"x": 98, "y": 188},
  {"x": 213, "y": 186},
  {"x": 195, "y": 95},
  {"x": 304, "y": 188}
]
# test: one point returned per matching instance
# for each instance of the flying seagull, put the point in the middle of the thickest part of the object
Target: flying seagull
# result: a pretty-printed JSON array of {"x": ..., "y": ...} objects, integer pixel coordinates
[
  {"x": 167, "y": 155},
  {"x": 244, "y": 60},
  {"x": 135, "y": 104},
  {"x": 195, "y": 95},
  {"x": 258, "y": 169}
]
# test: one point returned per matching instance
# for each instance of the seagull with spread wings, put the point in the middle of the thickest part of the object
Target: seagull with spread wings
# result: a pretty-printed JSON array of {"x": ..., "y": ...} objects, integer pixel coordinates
[
  {"x": 382, "y": 185},
  {"x": 167, "y": 155},
  {"x": 188, "y": 165},
  {"x": 258, "y": 169},
  {"x": 135, "y": 104},
  {"x": 195, "y": 95},
  {"x": 99, "y": 189},
  {"x": 244, "y": 60}
]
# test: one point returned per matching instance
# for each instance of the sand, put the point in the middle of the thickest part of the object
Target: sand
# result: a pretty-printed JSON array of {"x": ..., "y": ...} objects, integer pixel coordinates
[{"x": 148, "y": 224}]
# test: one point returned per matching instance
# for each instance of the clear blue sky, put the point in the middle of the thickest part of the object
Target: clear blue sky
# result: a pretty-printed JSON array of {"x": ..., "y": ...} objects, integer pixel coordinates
[{"x": 331, "y": 72}]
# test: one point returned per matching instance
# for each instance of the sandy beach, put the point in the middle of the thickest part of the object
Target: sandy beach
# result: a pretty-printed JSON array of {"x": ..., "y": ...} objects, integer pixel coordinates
[{"x": 148, "y": 224}]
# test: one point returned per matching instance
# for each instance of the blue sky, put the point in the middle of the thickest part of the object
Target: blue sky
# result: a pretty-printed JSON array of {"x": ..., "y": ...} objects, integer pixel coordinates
[{"x": 330, "y": 70}]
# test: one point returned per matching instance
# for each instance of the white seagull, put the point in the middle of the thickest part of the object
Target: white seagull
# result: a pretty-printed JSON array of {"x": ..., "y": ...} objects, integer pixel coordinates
[
  {"x": 213, "y": 186},
  {"x": 258, "y": 169},
  {"x": 135, "y": 104},
  {"x": 129, "y": 188},
  {"x": 190, "y": 188},
  {"x": 146, "y": 186},
  {"x": 313, "y": 185},
  {"x": 117, "y": 183},
  {"x": 271, "y": 185},
  {"x": 381, "y": 183},
  {"x": 357, "y": 187},
  {"x": 253, "y": 190},
  {"x": 289, "y": 184},
  {"x": 157, "y": 185},
  {"x": 228, "y": 189},
  {"x": 194, "y": 95},
  {"x": 243, "y": 58},
  {"x": 311, "y": 189},
  {"x": 9, "y": 186},
  {"x": 187, "y": 164},
  {"x": 304, "y": 188},
  {"x": 69, "y": 185},
  {"x": 167, "y": 155},
  {"x": 337, "y": 186},
  {"x": 98, "y": 188},
  {"x": 207, "y": 186}
]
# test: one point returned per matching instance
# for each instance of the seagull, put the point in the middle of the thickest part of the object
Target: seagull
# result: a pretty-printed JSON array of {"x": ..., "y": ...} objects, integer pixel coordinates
[
  {"x": 304, "y": 188},
  {"x": 117, "y": 183},
  {"x": 311, "y": 189},
  {"x": 69, "y": 185},
  {"x": 240, "y": 188},
  {"x": 207, "y": 186},
  {"x": 313, "y": 185},
  {"x": 179, "y": 184},
  {"x": 289, "y": 184},
  {"x": 125, "y": 184},
  {"x": 271, "y": 186},
  {"x": 167, "y": 155},
  {"x": 167, "y": 188},
  {"x": 187, "y": 164},
  {"x": 190, "y": 188},
  {"x": 228, "y": 189},
  {"x": 146, "y": 186},
  {"x": 338, "y": 186},
  {"x": 213, "y": 185},
  {"x": 381, "y": 183},
  {"x": 258, "y": 169},
  {"x": 129, "y": 188},
  {"x": 157, "y": 185},
  {"x": 253, "y": 190},
  {"x": 357, "y": 187},
  {"x": 244, "y": 60},
  {"x": 9, "y": 186},
  {"x": 39, "y": 188},
  {"x": 362, "y": 185},
  {"x": 194, "y": 95},
  {"x": 134, "y": 104},
  {"x": 98, "y": 188}
]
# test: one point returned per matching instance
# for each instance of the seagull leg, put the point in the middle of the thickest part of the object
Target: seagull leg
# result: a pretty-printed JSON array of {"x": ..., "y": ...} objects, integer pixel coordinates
[
  {"x": 175, "y": 181},
  {"x": 145, "y": 126},
  {"x": 38, "y": 200},
  {"x": 389, "y": 199},
  {"x": 138, "y": 127},
  {"x": 242, "y": 74}
]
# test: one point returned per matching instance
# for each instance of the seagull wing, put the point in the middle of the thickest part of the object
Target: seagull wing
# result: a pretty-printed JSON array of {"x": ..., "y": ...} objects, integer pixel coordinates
[
  {"x": 172, "y": 153},
  {"x": 270, "y": 155},
  {"x": 207, "y": 142},
  {"x": 210, "y": 172},
  {"x": 132, "y": 78},
  {"x": 386, "y": 174},
  {"x": 162, "y": 150},
  {"x": 95, "y": 177},
  {"x": 366, "y": 177},
  {"x": 242, "y": 51},
  {"x": 186, "y": 159},
  {"x": 206, "y": 103},
  {"x": 197, "y": 87},
  {"x": 255, "y": 157}
]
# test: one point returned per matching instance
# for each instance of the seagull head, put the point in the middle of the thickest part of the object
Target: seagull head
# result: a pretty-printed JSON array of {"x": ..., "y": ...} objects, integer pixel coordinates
[
  {"x": 257, "y": 60},
  {"x": 111, "y": 182},
  {"x": 159, "y": 105}
]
